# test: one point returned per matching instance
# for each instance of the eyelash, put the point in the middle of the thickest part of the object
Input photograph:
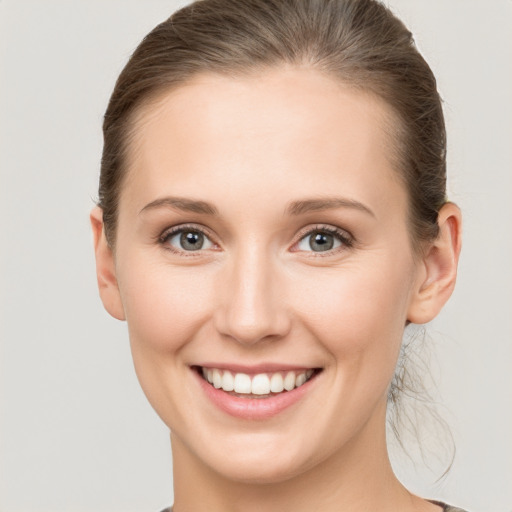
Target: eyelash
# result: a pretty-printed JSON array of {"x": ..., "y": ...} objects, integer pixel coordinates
[
  {"x": 347, "y": 241},
  {"x": 182, "y": 228}
]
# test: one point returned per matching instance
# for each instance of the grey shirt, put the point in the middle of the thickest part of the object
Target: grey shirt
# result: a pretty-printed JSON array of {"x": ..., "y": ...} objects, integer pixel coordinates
[{"x": 446, "y": 508}]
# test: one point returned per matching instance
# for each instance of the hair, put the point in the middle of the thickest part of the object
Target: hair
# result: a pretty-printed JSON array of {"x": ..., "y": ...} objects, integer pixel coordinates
[{"x": 358, "y": 42}]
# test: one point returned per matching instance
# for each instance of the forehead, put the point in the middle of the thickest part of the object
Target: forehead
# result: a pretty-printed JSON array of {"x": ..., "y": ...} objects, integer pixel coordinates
[{"x": 287, "y": 129}]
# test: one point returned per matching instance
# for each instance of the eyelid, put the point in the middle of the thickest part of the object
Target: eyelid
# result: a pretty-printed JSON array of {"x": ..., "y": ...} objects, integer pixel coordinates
[
  {"x": 343, "y": 235},
  {"x": 346, "y": 238},
  {"x": 179, "y": 228}
]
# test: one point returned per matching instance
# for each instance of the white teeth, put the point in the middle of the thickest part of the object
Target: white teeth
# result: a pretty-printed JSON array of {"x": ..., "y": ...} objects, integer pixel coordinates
[
  {"x": 228, "y": 382},
  {"x": 217, "y": 379},
  {"x": 242, "y": 383},
  {"x": 301, "y": 378},
  {"x": 289, "y": 381},
  {"x": 260, "y": 384},
  {"x": 276, "y": 383}
]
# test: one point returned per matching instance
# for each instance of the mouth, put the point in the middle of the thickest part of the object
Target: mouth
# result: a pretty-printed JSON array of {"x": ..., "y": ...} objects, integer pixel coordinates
[{"x": 261, "y": 385}]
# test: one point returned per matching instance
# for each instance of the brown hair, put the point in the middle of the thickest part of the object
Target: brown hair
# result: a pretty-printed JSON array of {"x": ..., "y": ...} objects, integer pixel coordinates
[{"x": 360, "y": 42}]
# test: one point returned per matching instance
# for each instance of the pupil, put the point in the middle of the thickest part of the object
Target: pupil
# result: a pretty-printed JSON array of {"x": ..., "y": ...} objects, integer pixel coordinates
[
  {"x": 321, "y": 242},
  {"x": 191, "y": 241}
]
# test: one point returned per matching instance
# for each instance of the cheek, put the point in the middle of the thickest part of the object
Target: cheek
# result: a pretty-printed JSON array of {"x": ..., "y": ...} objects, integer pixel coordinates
[
  {"x": 165, "y": 309},
  {"x": 357, "y": 312},
  {"x": 164, "y": 306}
]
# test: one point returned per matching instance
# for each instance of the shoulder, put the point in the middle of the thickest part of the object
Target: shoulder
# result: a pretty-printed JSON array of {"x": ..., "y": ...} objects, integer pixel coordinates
[{"x": 446, "y": 508}]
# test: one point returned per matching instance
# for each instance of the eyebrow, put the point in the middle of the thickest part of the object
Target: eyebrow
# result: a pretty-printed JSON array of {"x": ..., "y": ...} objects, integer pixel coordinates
[
  {"x": 183, "y": 204},
  {"x": 294, "y": 208},
  {"x": 315, "y": 205}
]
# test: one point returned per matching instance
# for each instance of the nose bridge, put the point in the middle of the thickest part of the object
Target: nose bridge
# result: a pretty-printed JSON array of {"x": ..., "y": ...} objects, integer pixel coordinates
[{"x": 253, "y": 308}]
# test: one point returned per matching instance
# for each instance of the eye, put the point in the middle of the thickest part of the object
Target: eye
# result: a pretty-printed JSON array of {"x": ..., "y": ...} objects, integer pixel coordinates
[
  {"x": 322, "y": 240},
  {"x": 186, "y": 240}
]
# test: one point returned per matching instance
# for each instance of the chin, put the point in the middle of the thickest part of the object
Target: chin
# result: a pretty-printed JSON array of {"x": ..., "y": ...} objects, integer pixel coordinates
[
  {"x": 253, "y": 457},
  {"x": 272, "y": 470}
]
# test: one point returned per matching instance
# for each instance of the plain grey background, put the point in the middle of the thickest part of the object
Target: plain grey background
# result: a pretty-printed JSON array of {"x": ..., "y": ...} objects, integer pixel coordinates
[{"x": 76, "y": 433}]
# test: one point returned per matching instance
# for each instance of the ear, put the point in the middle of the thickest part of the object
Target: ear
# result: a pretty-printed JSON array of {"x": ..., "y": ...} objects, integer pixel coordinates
[
  {"x": 105, "y": 267},
  {"x": 438, "y": 268}
]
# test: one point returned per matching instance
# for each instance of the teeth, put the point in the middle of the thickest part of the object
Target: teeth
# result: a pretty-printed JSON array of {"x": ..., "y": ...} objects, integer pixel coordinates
[
  {"x": 242, "y": 383},
  {"x": 301, "y": 378},
  {"x": 289, "y": 381},
  {"x": 276, "y": 383},
  {"x": 217, "y": 379},
  {"x": 260, "y": 384},
  {"x": 228, "y": 382}
]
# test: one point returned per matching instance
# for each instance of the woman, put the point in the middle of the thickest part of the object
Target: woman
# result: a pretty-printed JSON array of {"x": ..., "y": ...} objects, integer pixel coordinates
[{"x": 272, "y": 216}]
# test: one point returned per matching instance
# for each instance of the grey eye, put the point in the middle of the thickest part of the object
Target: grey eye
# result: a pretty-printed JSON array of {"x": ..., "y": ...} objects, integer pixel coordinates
[
  {"x": 319, "y": 241},
  {"x": 189, "y": 240}
]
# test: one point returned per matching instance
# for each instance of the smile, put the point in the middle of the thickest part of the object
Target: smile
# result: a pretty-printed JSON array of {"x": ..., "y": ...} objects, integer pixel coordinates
[
  {"x": 261, "y": 385},
  {"x": 255, "y": 394}
]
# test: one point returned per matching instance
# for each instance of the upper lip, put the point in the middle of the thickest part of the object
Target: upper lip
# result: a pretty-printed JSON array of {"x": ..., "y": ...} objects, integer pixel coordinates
[{"x": 257, "y": 368}]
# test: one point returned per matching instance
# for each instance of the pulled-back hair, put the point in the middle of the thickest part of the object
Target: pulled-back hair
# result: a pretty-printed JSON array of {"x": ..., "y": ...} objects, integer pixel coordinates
[{"x": 359, "y": 42}]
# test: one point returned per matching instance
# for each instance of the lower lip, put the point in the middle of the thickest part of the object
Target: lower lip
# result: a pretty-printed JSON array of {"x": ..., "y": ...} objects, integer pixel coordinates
[{"x": 254, "y": 408}]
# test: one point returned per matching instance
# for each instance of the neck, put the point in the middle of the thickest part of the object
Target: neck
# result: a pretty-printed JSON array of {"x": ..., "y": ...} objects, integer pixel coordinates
[{"x": 358, "y": 477}]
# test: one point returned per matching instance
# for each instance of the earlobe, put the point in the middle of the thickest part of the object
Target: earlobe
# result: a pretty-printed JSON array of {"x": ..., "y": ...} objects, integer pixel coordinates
[
  {"x": 436, "y": 279},
  {"x": 105, "y": 267}
]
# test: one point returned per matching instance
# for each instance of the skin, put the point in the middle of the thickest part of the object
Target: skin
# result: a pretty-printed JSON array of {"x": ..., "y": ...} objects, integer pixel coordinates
[{"x": 250, "y": 147}]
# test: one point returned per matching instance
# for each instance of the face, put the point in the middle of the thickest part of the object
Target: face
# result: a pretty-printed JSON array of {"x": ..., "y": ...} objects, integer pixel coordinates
[{"x": 263, "y": 246}]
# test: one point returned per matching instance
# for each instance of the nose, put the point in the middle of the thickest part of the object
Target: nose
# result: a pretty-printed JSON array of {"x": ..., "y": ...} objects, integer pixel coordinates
[{"x": 253, "y": 306}]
